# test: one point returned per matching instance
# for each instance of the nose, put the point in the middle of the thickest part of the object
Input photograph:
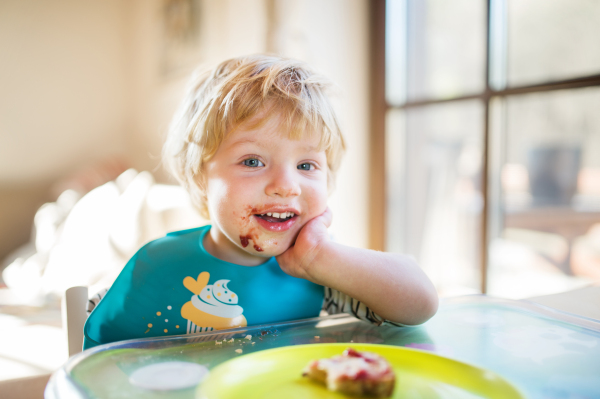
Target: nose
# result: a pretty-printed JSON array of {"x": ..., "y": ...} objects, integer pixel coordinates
[{"x": 282, "y": 183}]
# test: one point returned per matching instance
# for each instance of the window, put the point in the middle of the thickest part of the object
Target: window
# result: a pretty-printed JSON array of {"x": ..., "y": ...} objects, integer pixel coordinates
[{"x": 489, "y": 129}]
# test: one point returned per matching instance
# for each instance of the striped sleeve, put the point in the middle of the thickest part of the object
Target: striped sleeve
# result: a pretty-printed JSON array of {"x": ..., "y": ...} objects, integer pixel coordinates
[
  {"x": 93, "y": 301},
  {"x": 337, "y": 302}
]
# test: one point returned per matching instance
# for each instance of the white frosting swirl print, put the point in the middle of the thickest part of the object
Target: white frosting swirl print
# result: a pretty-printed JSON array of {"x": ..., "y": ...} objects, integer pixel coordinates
[{"x": 218, "y": 300}]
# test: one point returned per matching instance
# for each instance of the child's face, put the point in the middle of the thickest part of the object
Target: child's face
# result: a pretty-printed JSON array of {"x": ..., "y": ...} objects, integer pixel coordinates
[{"x": 262, "y": 187}]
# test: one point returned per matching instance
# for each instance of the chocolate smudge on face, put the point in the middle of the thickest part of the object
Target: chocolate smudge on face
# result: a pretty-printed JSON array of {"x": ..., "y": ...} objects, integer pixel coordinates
[{"x": 252, "y": 233}]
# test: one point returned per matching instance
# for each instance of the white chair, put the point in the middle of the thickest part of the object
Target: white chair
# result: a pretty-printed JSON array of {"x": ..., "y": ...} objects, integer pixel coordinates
[{"x": 74, "y": 315}]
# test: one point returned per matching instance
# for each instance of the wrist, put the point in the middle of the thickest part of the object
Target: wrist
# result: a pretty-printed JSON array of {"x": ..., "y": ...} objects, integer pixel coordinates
[{"x": 314, "y": 264}]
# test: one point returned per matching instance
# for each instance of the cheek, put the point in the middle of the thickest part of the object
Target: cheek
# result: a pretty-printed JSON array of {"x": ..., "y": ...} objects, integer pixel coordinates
[
  {"x": 229, "y": 208},
  {"x": 317, "y": 199},
  {"x": 216, "y": 191},
  {"x": 225, "y": 195},
  {"x": 221, "y": 203},
  {"x": 218, "y": 204}
]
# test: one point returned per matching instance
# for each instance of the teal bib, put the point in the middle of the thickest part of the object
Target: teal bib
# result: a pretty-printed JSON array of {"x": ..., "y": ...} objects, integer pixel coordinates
[{"x": 173, "y": 286}]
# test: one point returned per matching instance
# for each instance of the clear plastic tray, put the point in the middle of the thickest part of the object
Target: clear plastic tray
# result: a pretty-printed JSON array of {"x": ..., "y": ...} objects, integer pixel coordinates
[{"x": 544, "y": 352}]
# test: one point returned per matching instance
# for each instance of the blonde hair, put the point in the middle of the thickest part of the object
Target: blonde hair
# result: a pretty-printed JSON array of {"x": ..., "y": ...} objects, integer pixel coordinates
[{"x": 238, "y": 89}]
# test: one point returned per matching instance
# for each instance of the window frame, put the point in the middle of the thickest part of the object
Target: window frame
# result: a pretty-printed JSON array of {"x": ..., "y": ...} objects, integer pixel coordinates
[{"x": 380, "y": 107}]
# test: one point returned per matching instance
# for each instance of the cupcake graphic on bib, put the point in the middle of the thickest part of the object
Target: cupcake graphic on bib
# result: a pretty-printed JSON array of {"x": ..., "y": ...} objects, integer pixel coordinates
[{"x": 212, "y": 307}]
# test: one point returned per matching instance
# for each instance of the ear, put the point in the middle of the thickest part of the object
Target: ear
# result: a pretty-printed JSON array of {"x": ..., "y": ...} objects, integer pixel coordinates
[{"x": 196, "y": 285}]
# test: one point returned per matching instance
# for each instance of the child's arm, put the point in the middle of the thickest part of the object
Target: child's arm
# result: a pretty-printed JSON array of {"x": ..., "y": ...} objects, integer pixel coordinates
[{"x": 391, "y": 285}]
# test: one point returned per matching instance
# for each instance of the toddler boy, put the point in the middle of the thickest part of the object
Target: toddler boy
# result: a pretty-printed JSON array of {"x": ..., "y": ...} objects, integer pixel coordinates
[{"x": 257, "y": 144}]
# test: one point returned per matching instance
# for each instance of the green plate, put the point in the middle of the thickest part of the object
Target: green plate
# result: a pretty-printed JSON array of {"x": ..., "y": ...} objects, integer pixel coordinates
[{"x": 276, "y": 373}]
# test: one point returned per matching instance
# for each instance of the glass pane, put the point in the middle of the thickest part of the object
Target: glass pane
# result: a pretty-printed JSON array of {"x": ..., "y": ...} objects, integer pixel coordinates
[
  {"x": 395, "y": 160},
  {"x": 444, "y": 151},
  {"x": 446, "y": 49},
  {"x": 497, "y": 56},
  {"x": 552, "y": 39},
  {"x": 395, "y": 51},
  {"x": 548, "y": 239}
]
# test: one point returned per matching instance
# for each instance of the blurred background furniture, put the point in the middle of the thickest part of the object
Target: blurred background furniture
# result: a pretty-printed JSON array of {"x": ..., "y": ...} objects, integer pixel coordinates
[
  {"x": 583, "y": 302},
  {"x": 79, "y": 241},
  {"x": 563, "y": 221}
]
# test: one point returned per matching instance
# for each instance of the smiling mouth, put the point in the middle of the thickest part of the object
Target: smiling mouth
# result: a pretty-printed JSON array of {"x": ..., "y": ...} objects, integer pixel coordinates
[
  {"x": 274, "y": 217},
  {"x": 276, "y": 222}
]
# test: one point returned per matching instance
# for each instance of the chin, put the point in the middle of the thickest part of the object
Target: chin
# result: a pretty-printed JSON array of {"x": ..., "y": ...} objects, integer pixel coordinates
[
  {"x": 269, "y": 251},
  {"x": 263, "y": 245}
]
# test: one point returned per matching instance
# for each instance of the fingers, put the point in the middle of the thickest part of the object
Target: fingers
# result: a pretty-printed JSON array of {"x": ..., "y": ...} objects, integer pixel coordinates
[
  {"x": 282, "y": 259},
  {"x": 326, "y": 217}
]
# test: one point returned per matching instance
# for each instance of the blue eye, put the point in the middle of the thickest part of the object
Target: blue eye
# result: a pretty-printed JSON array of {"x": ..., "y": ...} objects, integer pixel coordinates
[
  {"x": 253, "y": 163},
  {"x": 306, "y": 166}
]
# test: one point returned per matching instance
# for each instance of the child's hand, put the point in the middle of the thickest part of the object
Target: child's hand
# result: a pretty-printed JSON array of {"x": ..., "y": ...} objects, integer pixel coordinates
[
  {"x": 391, "y": 285},
  {"x": 296, "y": 261}
]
